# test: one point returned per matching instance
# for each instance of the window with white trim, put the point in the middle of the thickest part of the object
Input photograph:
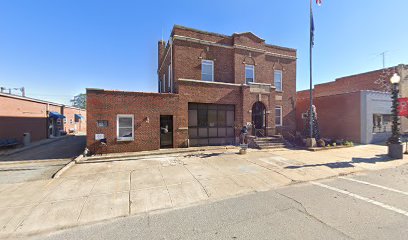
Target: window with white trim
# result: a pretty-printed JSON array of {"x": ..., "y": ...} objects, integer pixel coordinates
[
  {"x": 207, "y": 70},
  {"x": 249, "y": 74},
  {"x": 278, "y": 80},
  {"x": 125, "y": 127},
  {"x": 278, "y": 115}
]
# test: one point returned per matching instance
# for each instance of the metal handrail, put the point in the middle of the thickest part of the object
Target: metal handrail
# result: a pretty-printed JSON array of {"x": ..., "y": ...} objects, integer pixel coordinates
[{"x": 259, "y": 131}]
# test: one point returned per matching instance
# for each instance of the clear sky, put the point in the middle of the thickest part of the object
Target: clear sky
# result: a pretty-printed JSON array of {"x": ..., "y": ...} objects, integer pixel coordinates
[{"x": 56, "y": 49}]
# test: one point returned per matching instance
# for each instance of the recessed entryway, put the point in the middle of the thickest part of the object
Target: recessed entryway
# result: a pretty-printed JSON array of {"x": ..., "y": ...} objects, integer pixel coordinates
[{"x": 166, "y": 131}]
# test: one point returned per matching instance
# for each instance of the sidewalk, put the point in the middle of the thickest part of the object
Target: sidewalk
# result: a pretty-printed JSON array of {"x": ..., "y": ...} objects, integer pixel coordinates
[{"x": 91, "y": 192}]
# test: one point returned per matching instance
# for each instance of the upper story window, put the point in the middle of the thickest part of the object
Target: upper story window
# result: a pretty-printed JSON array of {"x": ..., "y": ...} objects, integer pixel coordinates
[
  {"x": 249, "y": 73},
  {"x": 278, "y": 80},
  {"x": 125, "y": 127},
  {"x": 207, "y": 70}
]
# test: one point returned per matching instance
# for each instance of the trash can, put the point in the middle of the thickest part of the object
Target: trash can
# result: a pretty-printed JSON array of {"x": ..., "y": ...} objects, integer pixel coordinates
[{"x": 26, "y": 139}]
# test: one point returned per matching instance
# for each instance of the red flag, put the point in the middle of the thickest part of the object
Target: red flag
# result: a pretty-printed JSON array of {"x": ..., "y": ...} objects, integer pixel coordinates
[
  {"x": 403, "y": 107},
  {"x": 319, "y": 2}
]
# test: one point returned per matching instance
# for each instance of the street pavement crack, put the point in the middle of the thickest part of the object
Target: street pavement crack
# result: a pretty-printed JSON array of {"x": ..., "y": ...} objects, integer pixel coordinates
[
  {"x": 305, "y": 211},
  {"x": 130, "y": 188},
  {"x": 202, "y": 186}
]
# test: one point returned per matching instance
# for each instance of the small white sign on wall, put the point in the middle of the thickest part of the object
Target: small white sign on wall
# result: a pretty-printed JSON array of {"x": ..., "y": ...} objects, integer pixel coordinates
[{"x": 99, "y": 136}]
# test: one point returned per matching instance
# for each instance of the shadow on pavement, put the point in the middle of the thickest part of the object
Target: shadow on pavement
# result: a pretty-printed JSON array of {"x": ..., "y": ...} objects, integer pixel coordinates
[
  {"x": 349, "y": 164},
  {"x": 66, "y": 148}
]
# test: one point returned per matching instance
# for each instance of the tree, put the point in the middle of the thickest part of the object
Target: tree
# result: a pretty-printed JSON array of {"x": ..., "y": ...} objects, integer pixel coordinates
[
  {"x": 79, "y": 101},
  {"x": 306, "y": 129}
]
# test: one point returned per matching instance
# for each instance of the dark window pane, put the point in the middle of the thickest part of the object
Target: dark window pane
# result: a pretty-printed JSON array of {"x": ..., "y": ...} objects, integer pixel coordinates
[
  {"x": 222, "y": 132},
  {"x": 230, "y": 132},
  {"x": 212, "y": 118},
  {"x": 221, "y": 118},
  {"x": 212, "y": 132},
  {"x": 192, "y": 106},
  {"x": 192, "y": 118},
  {"x": 202, "y": 118},
  {"x": 192, "y": 132},
  {"x": 230, "y": 118},
  {"x": 203, "y": 132}
]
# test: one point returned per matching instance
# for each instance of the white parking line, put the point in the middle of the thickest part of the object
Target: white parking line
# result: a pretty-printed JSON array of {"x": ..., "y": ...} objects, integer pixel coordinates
[
  {"x": 380, "y": 204},
  {"x": 375, "y": 185}
]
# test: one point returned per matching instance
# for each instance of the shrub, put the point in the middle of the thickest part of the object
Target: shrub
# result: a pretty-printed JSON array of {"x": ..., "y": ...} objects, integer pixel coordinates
[{"x": 321, "y": 143}]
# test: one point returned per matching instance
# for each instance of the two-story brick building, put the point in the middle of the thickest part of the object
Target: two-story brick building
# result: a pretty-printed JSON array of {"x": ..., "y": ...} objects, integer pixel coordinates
[{"x": 209, "y": 85}]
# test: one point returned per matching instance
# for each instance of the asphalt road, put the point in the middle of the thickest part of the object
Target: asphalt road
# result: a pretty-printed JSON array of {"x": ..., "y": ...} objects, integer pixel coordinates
[
  {"x": 369, "y": 206},
  {"x": 40, "y": 162}
]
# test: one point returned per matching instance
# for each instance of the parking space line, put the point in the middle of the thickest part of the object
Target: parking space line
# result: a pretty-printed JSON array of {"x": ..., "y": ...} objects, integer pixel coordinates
[
  {"x": 380, "y": 204},
  {"x": 375, "y": 185}
]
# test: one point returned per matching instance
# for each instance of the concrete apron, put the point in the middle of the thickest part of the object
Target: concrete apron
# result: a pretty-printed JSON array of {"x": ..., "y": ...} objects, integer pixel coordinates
[{"x": 92, "y": 192}]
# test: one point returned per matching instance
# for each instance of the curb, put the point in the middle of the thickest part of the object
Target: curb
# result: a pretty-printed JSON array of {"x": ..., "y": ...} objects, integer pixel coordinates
[
  {"x": 66, "y": 167},
  {"x": 136, "y": 154}
]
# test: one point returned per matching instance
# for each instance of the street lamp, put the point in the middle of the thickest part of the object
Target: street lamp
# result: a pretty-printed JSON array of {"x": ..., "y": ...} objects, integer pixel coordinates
[{"x": 395, "y": 148}]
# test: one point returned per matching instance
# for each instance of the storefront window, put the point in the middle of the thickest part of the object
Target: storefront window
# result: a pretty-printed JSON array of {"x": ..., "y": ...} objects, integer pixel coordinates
[
  {"x": 382, "y": 123},
  {"x": 208, "y": 122}
]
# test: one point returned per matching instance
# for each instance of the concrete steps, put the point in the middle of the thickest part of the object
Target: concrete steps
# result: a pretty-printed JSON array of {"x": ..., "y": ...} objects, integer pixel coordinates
[{"x": 270, "y": 142}]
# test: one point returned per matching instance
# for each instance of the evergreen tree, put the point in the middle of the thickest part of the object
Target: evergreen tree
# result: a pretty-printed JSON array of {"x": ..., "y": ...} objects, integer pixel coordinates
[{"x": 306, "y": 129}]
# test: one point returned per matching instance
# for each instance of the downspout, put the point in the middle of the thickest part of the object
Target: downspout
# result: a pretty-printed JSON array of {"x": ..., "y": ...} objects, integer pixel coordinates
[
  {"x": 47, "y": 121},
  {"x": 171, "y": 65}
]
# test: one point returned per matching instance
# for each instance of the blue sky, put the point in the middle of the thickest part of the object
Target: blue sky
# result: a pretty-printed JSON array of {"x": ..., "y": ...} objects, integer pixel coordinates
[{"x": 56, "y": 49}]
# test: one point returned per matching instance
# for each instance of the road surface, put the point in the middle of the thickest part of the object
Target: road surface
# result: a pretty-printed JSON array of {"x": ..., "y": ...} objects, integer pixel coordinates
[
  {"x": 366, "y": 206},
  {"x": 40, "y": 162}
]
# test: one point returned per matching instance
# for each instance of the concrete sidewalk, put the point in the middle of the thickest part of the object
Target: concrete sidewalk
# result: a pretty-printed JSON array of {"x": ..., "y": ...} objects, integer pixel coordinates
[{"x": 91, "y": 192}]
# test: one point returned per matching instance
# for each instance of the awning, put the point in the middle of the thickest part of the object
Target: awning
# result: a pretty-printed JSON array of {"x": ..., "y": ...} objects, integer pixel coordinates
[
  {"x": 56, "y": 115},
  {"x": 78, "y": 117}
]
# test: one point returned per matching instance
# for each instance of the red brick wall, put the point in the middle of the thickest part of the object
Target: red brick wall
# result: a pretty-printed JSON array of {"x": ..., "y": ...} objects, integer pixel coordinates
[
  {"x": 21, "y": 115},
  {"x": 229, "y": 67},
  {"x": 70, "y": 123},
  {"x": 105, "y": 105},
  {"x": 363, "y": 81},
  {"x": 338, "y": 115}
]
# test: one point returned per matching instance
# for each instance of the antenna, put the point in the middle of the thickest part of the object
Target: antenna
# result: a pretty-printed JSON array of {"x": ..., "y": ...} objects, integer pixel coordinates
[{"x": 383, "y": 58}]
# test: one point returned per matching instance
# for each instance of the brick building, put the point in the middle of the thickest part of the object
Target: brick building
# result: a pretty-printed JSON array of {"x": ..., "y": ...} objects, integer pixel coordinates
[
  {"x": 42, "y": 119},
  {"x": 357, "y": 107},
  {"x": 209, "y": 85}
]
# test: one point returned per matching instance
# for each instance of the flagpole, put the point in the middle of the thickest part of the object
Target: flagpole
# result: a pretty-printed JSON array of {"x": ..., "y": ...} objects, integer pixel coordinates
[{"x": 311, "y": 75}]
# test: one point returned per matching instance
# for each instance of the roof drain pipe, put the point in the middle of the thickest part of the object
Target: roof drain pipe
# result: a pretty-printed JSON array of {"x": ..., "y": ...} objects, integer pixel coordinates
[{"x": 171, "y": 66}]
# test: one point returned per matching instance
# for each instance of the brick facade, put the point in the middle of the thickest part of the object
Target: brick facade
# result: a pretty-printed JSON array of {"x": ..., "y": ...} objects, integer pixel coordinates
[
  {"x": 179, "y": 79},
  {"x": 20, "y": 115},
  {"x": 338, "y": 102}
]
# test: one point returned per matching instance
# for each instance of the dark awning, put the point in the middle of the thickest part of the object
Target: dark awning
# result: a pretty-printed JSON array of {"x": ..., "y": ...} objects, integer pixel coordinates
[
  {"x": 78, "y": 116},
  {"x": 56, "y": 115}
]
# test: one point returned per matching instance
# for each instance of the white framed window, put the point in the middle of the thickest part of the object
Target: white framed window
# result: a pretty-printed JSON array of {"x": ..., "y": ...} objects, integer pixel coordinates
[
  {"x": 170, "y": 78},
  {"x": 125, "y": 127},
  {"x": 278, "y": 115},
  {"x": 249, "y": 74},
  {"x": 278, "y": 80},
  {"x": 207, "y": 70}
]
